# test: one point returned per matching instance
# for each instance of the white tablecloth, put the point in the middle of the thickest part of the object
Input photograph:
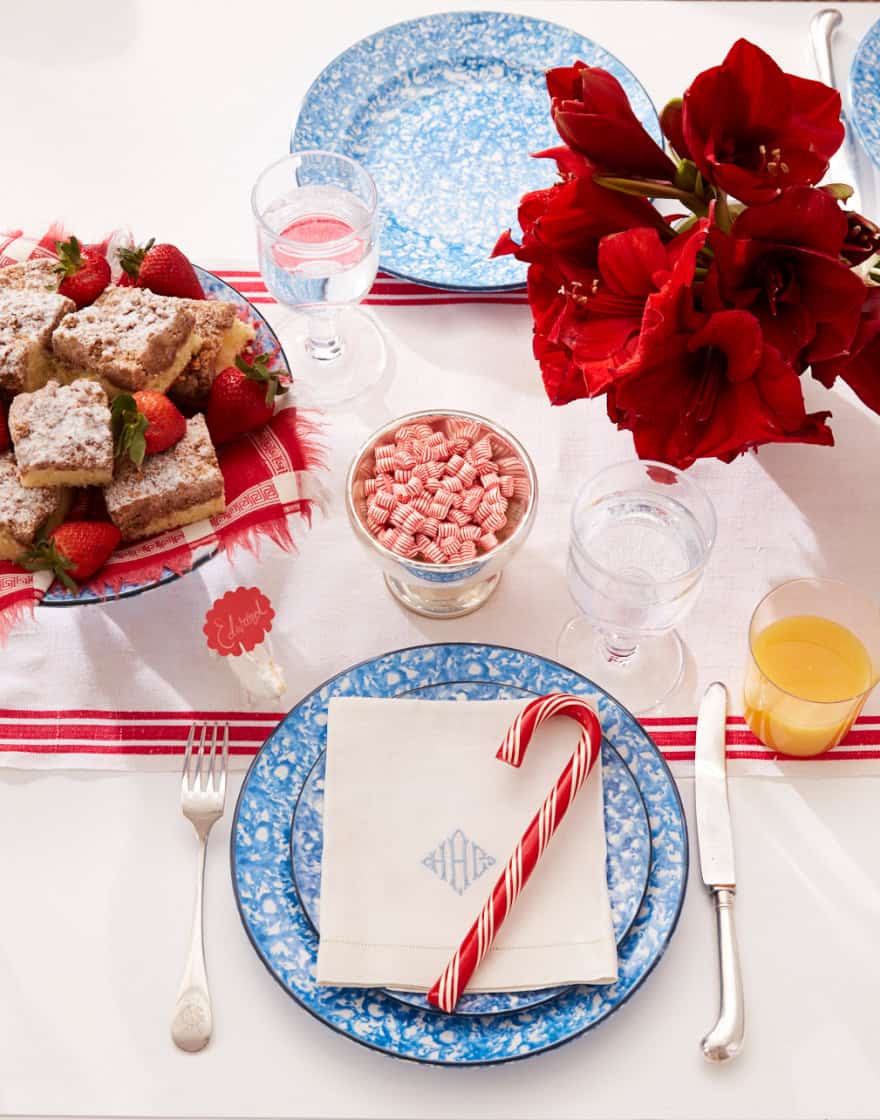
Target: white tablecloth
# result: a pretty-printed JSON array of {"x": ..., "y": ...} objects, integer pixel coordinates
[{"x": 159, "y": 115}]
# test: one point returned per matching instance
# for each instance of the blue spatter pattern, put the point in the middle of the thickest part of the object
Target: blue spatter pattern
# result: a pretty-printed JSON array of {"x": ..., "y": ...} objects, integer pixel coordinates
[
  {"x": 267, "y": 342},
  {"x": 627, "y": 835},
  {"x": 864, "y": 92},
  {"x": 444, "y": 112},
  {"x": 286, "y": 942}
]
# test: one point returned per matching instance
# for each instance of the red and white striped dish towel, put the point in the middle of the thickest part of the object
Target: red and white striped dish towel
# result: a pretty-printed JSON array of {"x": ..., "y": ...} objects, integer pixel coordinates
[{"x": 155, "y": 740}]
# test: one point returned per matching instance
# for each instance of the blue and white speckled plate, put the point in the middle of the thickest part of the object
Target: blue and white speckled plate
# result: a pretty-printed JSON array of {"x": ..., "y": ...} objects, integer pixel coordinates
[
  {"x": 280, "y": 930},
  {"x": 864, "y": 92},
  {"x": 443, "y": 111},
  {"x": 627, "y": 832},
  {"x": 266, "y": 340}
]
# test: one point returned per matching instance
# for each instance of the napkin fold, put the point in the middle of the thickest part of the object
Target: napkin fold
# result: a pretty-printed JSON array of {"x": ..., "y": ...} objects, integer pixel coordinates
[{"x": 420, "y": 818}]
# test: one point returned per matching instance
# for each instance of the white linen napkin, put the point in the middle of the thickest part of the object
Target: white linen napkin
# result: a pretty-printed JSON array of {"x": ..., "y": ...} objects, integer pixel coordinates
[{"x": 419, "y": 820}]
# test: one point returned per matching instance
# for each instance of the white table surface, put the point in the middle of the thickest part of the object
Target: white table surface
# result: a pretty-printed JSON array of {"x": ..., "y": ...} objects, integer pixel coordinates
[{"x": 159, "y": 115}]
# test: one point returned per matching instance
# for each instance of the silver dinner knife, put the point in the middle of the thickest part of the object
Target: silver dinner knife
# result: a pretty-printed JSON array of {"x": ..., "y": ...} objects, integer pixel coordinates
[{"x": 715, "y": 837}]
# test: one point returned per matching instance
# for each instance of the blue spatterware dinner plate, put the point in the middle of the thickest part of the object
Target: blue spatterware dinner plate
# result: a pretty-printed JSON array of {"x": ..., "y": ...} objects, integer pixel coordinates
[
  {"x": 627, "y": 835},
  {"x": 444, "y": 111},
  {"x": 864, "y": 92},
  {"x": 267, "y": 342},
  {"x": 280, "y": 930}
]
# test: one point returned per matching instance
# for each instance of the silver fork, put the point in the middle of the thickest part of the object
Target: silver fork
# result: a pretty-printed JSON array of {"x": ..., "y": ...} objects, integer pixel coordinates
[{"x": 202, "y": 797}]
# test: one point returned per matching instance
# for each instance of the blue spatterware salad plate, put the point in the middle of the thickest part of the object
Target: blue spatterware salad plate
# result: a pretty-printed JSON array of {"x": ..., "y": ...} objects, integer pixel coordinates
[
  {"x": 864, "y": 92},
  {"x": 444, "y": 111},
  {"x": 266, "y": 341},
  {"x": 284, "y": 938}
]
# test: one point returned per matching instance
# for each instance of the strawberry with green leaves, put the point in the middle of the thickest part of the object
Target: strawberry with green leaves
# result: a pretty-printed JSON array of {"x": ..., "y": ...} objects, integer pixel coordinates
[
  {"x": 243, "y": 398},
  {"x": 161, "y": 268},
  {"x": 74, "y": 551},
  {"x": 84, "y": 271},
  {"x": 145, "y": 424}
]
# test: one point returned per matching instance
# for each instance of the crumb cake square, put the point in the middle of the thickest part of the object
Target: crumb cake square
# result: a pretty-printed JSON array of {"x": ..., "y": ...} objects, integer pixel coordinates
[
  {"x": 31, "y": 276},
  {"x": 129, "y": 339},
  {"x": 175, "y": 487},
  {"x": 27, "y": 318},
  {"x": 62, "y": 435},
  {"x": 223, "y": 336},
  {"x": 23, "y": 511}
]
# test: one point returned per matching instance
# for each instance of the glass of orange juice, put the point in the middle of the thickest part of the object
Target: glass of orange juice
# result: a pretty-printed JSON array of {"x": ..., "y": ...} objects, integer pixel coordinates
[{"x": 814, "y": 656}]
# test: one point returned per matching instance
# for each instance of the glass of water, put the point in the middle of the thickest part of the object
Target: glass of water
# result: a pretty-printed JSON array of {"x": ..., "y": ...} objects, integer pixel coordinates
[
  {"x": 641, "y": 534},
  {"x": 317, "y": 238}
]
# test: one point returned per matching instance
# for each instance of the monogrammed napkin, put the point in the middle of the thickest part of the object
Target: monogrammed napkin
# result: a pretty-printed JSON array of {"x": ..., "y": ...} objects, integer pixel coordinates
[{"x": 419, "y": 819}]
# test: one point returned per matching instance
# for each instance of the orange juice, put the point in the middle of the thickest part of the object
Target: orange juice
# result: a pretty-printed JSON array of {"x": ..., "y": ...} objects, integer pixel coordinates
[{"x": 806, "y": 683}]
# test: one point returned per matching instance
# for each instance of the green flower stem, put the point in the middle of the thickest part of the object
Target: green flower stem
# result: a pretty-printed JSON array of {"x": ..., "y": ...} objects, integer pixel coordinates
[
  {"x": 651, "y": 188},
  {"x": 723, "y": 218}
]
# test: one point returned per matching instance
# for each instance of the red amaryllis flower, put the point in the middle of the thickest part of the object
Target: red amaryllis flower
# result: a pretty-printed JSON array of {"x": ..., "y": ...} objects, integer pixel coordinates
[
  {"x": 782, "y": 261},
  {"x": 593, "y": 115},
  {"x": 860, "y": 369},
  {"x": 707, "y": 385},
  {"x": 751, "y": 129},
  {"x": 563, "y": 227}
]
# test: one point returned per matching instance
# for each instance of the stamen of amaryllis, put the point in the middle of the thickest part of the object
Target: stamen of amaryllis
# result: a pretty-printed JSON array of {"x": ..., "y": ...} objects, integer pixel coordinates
[
  {"x": 775, "y": 165},
  {"x": 776, "y": 278},
  {"x": 602, "y": 301},
  {"x": 710, "y": 367}
]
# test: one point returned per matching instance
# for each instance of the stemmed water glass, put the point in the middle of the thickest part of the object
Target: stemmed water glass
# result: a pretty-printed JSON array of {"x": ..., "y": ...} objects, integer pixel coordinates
[
  {"x": 641, "y": 534},
  {"x": 317, "y": 225}
]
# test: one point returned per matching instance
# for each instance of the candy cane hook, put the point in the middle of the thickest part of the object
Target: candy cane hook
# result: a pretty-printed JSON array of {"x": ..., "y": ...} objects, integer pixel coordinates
[{"x": 478, "y": 940}]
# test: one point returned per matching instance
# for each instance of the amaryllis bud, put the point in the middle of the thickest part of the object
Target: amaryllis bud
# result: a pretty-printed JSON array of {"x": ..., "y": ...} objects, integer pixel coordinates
[{"x": 671, "y": 123}]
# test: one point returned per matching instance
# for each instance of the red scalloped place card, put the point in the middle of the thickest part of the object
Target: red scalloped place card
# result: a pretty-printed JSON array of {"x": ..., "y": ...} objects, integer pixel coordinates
[{"x": 238, "y": 621}]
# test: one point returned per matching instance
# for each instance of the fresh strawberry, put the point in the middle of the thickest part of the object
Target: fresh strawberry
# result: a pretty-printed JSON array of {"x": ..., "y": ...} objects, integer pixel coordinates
[
  {"x": 5, "y": 441},
  {"x": 242, "y": 398},
  {"x": 74, "y": 551},
  {"x": 84, "y": 272},
  {"x": 161, "y": 268},
  {"x": 165, "y": 422},
  {"x": 145, "y": 424}
]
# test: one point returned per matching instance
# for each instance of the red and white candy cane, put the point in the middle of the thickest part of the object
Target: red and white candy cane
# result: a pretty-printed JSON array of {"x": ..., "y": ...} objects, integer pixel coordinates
[{"x": 478, "y": 940}]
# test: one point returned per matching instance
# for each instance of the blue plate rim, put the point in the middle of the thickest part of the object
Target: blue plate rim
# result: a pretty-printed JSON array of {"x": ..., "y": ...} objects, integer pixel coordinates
[
  {"x": 132, "y": 591},
  {"x": 673, "y": 926},
  {"x": 297, "y": 145},
  {"x": 871, "y": 144}
]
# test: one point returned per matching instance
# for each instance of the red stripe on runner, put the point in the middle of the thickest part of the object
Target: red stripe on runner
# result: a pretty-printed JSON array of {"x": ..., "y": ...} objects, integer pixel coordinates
[{"x": 111, "y": 731}]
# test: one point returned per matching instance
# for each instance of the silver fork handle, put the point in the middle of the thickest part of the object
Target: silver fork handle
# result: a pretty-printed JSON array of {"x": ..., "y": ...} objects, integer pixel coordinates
[
  {"x": 193, "y": 1020},
  {"x": 725, "y": 1039}
]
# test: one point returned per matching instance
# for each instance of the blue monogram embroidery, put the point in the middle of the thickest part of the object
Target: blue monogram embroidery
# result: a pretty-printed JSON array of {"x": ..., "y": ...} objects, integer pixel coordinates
[{"x": 458, "y": 861}]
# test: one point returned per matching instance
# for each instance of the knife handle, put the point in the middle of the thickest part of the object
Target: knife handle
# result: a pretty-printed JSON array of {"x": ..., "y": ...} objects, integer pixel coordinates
[{"x": 725, "y": 1039}]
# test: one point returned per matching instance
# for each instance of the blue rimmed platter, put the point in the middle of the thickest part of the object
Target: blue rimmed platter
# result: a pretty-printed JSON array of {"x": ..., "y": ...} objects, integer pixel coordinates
[
  {"x": 285, "y": 941},
  {"x": 627, "y": 832},
  {"x": 864, "y": 92},
  {"x": 266, "y": 341},
  {"x": 444, "y": 112}
]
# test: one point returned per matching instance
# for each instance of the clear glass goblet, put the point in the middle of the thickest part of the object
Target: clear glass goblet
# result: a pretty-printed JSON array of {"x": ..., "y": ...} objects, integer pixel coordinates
[
  {"x": 641, "y": 534},
  {"x": 317, "y": 225}
]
